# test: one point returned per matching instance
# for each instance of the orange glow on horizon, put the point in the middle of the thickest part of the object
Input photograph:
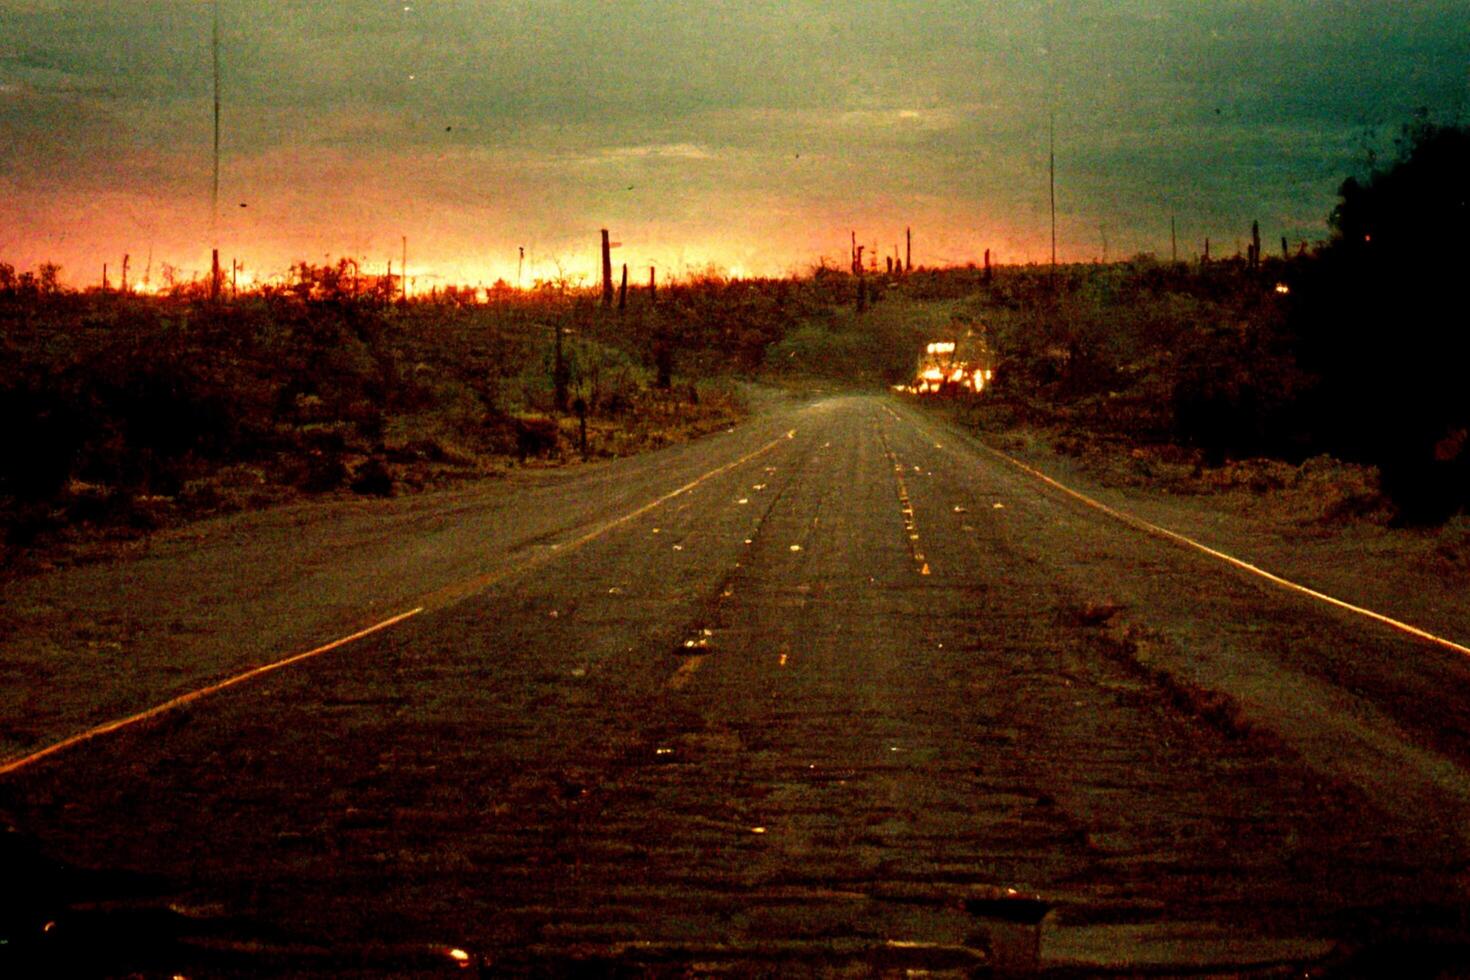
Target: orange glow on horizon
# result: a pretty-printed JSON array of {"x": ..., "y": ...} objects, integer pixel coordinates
[{"x": 166, "y": 239}]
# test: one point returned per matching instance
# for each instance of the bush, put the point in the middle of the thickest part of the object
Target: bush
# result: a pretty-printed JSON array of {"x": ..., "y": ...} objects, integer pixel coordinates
[{"x": 372, "y": 479}]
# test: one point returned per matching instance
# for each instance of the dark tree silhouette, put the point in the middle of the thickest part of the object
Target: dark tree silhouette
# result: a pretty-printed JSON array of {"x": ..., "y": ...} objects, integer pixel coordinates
[{"x": 1381, "y": 317}]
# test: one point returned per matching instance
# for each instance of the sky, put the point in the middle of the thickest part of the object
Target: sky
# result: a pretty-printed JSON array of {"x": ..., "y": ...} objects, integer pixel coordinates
[{"x": 752, "y": 137}]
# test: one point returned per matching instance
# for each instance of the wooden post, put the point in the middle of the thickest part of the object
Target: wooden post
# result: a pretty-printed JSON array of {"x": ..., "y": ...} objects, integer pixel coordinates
[
  {"x": 1206, "y": 260},
  {"x": 580, "y": 406},
  {"x": 988, "y": 273},
  {"x": 1285, "y": 251},
  {"x": 214, "y": 276},
  {"x": 908, "y": 250},
  {"x": 652, "y": 287},
  {"x": 855, "y": 256},
  {"x": 105, "y": 283},
  {"x": 1173, "y": 241},
  {"x": 607, "y": 290},
  {"x": 889, "y": 260},
  {"x": 404, "y": 276},
  {"x": 1255, "y": 249},
  {"x": 559, "y": 378},
  {"x": 125, "y": 272},
  {"x": 521, "y": 268},
  {"x": 623, "y": 290}
]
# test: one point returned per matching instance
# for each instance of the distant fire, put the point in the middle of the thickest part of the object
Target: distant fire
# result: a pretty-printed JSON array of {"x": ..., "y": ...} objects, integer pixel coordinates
[{"x": 963, "y": 365}]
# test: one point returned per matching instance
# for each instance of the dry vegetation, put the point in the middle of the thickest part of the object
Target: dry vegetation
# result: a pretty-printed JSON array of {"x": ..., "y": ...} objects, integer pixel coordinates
[
  {"x": 1253, "y": 373},
  {"x": 124, "y": 414}
]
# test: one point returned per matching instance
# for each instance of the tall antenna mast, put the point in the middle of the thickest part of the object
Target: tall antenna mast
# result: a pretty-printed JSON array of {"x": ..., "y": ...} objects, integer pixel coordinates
[
  {"x": 214, "y": 195},
  {"x": 214, "y": 278},
  {"x": 1051, "y": 167},
  {"x": 1051, "y": 127}
]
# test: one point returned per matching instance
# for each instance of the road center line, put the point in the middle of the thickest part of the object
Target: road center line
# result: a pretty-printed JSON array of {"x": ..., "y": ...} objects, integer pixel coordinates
[
  {"x": 1150, "y": 528},
  {"x": 11, "y": 765},
  {"x": 906, "y": 508},
  {"x": 463, "y": 590}
]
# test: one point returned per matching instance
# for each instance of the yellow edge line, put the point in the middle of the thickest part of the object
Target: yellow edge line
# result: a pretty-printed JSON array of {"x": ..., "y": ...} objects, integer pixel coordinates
[
  {"x": 1177, "y": 538},
  {"x": 12, "y": 765},
  {"x": 437, "y": 598}
]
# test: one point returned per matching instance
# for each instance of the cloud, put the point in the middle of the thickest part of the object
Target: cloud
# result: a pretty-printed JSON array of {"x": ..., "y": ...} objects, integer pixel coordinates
[
  {"x": 660, "y": 151},
  {"x": 765, "y": 130}
]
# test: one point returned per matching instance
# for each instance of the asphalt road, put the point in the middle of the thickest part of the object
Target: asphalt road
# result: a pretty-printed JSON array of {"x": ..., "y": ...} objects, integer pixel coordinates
[{"x": 838, "y": 691}]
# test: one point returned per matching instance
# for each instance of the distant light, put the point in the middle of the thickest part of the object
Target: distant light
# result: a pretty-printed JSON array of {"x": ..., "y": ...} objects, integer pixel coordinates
[
  {"x": 459, "y": 956},
  {"x": 1283, "y": 288}
]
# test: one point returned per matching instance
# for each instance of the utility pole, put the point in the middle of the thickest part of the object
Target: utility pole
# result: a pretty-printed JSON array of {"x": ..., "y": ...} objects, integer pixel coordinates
[
  {"x": 405, "y": 269},
  {"x": 652, "y": 286},
  {"x": 623, "y": 291},
  {"x": 520, "y": 268},
  {"x": 908, "y": 250},
  {"x": 125, "y": 272}
]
